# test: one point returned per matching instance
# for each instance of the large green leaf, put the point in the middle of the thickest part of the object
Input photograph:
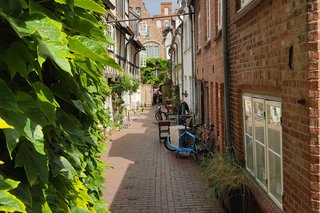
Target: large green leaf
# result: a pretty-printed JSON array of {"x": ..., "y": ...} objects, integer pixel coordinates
[
  {"x": 9, "y": 202},
  {"x": 88, "y": 47},
  {"x": 57, "y": 51},
  {"x": 14, "y": 59},
  {"x": 23, "y": 127},
  {"x": 46, "y": 101},
  {"x": 7, "y": 99},
  {"x": 89, "y": 5},
  {"x": 29, "y": 24},
  {"x": 35, "y": 164},
  {"x": 85, "y": 4},
  {"x": 89, "y": 28},
  {"x": 39, "y": 200},
  {"x": 89, "y": 67},
  {"x": 63, "y": 167},
  {"x": 92, "y": 49},
  {"x": 30, "y": 108},
  {"x": 48, "y": 33}
]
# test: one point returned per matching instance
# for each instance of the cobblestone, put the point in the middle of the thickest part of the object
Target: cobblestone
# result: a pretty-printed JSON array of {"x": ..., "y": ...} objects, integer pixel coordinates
[{"x": 147, "y": 178}]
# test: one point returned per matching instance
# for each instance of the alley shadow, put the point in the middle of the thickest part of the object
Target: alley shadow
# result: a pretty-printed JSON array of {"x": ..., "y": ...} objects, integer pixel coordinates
[{"x": 145, "y": 177}]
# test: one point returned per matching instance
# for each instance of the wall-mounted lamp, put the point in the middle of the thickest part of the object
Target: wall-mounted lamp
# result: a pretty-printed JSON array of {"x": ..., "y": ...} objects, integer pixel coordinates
[{"x": 185, "y": 93}]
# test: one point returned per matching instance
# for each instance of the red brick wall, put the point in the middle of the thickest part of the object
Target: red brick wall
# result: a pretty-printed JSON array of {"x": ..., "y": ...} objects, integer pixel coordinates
[
  {"x": 259, "y": 40},
  {"x": 209, "y": 62},
  {"x": 313, "y": 151},
  {"x": 155, "y": 33}
]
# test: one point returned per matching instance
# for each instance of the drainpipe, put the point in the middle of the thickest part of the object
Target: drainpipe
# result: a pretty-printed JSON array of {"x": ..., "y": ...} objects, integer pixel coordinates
[
  {"x": 181, "y": 55},
  {"x": 227, "y": 118},
  {"x": 126, "y": 51},
  {"x": 192, "y": 57}
]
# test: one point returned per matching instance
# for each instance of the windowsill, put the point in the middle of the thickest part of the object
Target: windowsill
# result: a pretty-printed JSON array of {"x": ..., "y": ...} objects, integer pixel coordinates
[
  {"x": 218, "y": 34},
  {"x": 240, "y": 13},
  {"x": 198, "y": 51},
  {"x": 207, "y": 44}
]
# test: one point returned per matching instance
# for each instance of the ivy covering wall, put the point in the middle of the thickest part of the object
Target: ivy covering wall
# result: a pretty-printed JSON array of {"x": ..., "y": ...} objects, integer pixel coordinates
[{"x": 51, "y": 104}]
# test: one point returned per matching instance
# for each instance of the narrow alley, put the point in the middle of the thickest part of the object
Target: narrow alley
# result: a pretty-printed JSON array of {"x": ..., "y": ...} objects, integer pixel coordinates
[{"x": 147, "y": 178}]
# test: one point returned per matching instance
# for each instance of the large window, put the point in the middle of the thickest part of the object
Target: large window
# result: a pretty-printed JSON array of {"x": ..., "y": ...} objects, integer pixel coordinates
[
  {"x": 263, "y": 143},
  {"x": 208, "y": 16},
  {"x": 152, "y": 50}
]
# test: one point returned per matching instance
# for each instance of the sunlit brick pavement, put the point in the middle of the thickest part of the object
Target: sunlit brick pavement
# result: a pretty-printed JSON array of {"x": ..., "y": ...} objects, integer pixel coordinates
[{"x": 147, "y": 178}]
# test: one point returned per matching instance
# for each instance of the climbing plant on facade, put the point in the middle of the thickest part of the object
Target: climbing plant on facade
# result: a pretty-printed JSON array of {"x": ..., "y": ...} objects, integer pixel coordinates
[
  {"x": 51, "y": 105},
  {"x": 126, "y": 84},
  {"x": 156, "y": 71}
]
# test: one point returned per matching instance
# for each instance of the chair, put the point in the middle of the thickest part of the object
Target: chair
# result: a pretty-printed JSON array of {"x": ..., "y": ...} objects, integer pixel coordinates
[{"x": 163, "y": 127}]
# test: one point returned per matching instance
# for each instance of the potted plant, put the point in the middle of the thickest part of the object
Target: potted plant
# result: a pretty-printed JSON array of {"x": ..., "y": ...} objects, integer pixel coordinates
[{"x": 228, "y": 181}]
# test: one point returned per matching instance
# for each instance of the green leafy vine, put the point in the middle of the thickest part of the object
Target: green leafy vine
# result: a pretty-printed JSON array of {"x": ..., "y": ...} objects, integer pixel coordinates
[{"x": 52, "y": 54}]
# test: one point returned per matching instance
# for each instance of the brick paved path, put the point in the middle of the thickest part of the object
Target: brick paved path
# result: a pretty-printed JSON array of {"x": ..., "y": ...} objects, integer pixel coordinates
[{"x": 148, "y": 178}]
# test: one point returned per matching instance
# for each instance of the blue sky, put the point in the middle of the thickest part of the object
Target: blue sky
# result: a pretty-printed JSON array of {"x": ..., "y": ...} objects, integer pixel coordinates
[{"x": 153, "y": 6}]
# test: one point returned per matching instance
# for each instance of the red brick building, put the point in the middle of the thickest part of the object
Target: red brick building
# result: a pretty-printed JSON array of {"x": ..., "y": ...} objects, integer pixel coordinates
[
  {"x": 273, "y": 49},
  {"x": 209, "y": 65},
  {"x": 274, "y": 94},
  {"x": 150, "y": 31}
]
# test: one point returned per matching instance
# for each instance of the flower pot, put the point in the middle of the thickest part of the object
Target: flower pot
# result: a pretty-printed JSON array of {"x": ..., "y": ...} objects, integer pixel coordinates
[{"x": 237, "y": 200}]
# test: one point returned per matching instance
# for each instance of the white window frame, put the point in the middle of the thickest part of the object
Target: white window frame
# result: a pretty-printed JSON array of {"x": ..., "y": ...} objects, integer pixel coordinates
[
  {"x": 166, "y": 11},
  {"x": 152, "y": 50},
  {"x": 143, "y": 62},
  {"x": 266, "y": 100},
  {"x": 138, "y": 11},
  {"x": 111, "y": 33},
  {"x": 166, "y": 23},
  {"x": 199, "y": 32},
  {"x": 219, "y": 14},
  {"x": 208, "y": 20},
  {"x": 144, "y": 29},
  {"x": 244, "y": 3}
]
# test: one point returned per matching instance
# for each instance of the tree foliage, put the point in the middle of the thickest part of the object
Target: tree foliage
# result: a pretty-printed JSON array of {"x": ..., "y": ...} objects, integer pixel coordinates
[
  {"x": 155, "y": 65},
  {"x": 51, "y": 103},
  {"x": 125, "y": 84}
]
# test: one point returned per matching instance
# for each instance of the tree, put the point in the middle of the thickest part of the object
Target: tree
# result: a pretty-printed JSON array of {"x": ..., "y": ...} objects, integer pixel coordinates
[
  {"x": 155, "y": 72},
  {"x": 51, "y": 105}
]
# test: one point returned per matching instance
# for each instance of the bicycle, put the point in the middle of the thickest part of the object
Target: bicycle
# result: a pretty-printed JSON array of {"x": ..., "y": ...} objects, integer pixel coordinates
[
  {"x": 185, "y": 143},
  {"x": 205, "y": 141},
  {"x": 160, "y": 115}
]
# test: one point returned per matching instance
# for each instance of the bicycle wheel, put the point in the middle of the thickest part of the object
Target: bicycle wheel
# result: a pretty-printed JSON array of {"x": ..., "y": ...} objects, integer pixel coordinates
[
  {"x": 163, "y": 116},
  {"x": 168, "y": 146},
  {"x": 158, "y": 116}
]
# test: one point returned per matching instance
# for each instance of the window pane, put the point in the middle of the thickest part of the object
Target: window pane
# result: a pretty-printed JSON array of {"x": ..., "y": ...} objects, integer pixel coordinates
[
  {"x": 259, "y": 121},
  {"x": 274, "y": 128},
  {"x": 249, "y": 153},
  {"x": 260, "y": 158},
  {"x": 248, "y": 117},
  {"x": 275, "y": 176}
]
